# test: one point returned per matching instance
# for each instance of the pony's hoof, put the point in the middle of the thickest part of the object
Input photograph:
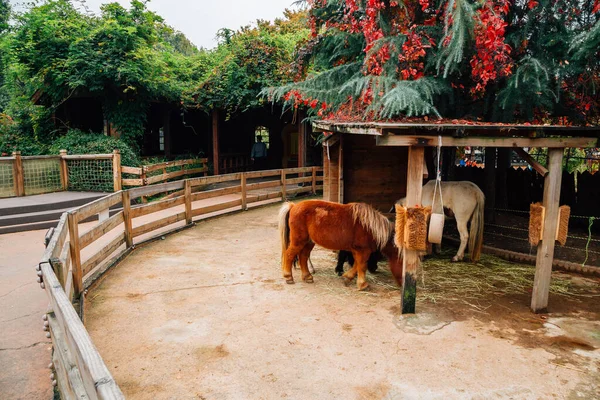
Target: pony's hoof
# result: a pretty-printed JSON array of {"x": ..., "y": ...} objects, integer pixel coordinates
[
  {"x": 456, "y": 259},
  {"x": 347, "y": 282},
  {"x": 363, "y": 286},
  {"x": 309, "y": 279},
  {"x": 339, "y": 273},
  {"x": 289, "y": 281}
]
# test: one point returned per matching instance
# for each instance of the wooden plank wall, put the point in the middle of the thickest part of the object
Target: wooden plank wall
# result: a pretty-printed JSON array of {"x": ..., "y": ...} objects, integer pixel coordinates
[{"x": 373, "y": 174}]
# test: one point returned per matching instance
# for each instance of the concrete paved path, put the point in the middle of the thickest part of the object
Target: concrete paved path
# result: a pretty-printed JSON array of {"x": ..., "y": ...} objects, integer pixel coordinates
[{"x": 24, "y": 348}]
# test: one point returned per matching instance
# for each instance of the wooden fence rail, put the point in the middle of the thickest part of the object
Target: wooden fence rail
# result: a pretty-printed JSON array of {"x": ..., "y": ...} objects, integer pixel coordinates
[
  {"x": 162, "y": 172},
  {"x": 73, "y": 260}
]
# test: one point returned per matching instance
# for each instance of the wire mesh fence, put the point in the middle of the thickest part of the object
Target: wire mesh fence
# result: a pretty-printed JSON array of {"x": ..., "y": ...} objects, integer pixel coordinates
[
  {"x": 7, "y": 183},
  {"x": 41, "y": 175},
  {"x": 90, "y": 175}
]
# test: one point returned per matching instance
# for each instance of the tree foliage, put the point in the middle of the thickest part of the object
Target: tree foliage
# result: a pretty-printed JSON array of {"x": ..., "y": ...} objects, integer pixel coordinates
[
  {"x": 128, "y": 58},
  {"x": 248, "y": 60},
  {"x": 492, "y": 60}
]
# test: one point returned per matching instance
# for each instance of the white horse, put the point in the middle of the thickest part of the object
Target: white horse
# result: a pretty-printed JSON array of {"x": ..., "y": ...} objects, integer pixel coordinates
[{"x": 466, "y": 202}]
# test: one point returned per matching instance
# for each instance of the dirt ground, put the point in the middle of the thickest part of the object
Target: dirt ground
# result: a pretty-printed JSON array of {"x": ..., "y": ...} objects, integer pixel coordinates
[{"x": 206, "y": 314}]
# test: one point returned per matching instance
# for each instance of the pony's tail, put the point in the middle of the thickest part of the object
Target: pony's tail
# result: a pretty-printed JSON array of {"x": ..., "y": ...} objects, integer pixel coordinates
[
  {"x": 284, "y": 228},
  {"x": 476, "y": 230}
]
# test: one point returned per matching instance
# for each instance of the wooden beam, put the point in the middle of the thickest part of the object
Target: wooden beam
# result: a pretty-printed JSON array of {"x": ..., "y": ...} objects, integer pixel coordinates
[
  {"x": 215, "y": 141},
  {"x": 96, "y": 377},
  {"x": 545, "y": 250},
  {"x": 321, "y": 126},
  {"x": 331, "y": 140},
  {"x": 411, "y": 260},
  {"x": 476, "y": 141},
  {"x": 534, "y": 164}
]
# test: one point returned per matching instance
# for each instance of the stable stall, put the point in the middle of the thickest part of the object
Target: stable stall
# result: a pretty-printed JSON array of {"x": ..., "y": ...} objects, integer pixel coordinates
[{"x": 380, "y": 162}]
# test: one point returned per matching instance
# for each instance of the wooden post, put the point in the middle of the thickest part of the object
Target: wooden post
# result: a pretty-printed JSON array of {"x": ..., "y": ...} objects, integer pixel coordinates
[
  {"x": 215, "y": 136},
  {"x": 187, "y": 190},
  {"x": 18, "y": 174},
  {"x": 283, "y": 195},
  {"x": 340, "y": 198},
  {"x": 126, "y": 201},
  {"x": 545, "y": 250},
  {"x": 75, "y": 253},
  {"x": 414, "y": 187},
  {"x": 117, "y": 170},
  {"x": 59, "y": 271},
  {"x": 314, "y": 180},
  {"x": 244, "y": 194},
  {"x": 64, "y": 171}
]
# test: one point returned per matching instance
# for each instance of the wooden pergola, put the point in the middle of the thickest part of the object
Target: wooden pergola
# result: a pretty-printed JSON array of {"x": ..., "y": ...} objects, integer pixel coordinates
[{"x": 417, "y": 136}]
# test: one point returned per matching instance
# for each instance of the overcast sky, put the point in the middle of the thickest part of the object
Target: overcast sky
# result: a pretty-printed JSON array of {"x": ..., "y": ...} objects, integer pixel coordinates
[{"x": 200, "y": 20}]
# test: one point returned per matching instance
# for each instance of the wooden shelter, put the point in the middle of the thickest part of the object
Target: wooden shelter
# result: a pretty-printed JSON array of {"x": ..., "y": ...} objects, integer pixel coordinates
[{"x": 380, "y": 162}]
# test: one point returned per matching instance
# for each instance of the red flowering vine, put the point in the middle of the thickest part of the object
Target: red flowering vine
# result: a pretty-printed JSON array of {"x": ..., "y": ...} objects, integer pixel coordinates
[{"x": 492, "y": 59}]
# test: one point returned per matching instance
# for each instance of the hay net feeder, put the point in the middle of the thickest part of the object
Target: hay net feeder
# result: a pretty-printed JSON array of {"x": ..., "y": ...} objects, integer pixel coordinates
[{"x": 387, "y": 149}]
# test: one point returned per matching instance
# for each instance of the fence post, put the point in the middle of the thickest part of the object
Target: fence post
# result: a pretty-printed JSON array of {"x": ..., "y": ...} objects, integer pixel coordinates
[
  {"x": 75, "y": 252},
  {"x": 144, "y": 182},
  {"x": 18, "y": 174},
  {"x": 64, "y": 170},
  {"x": 126, "y": 201},
  {"x": 314, "y": 180},
  {"x": 117, "y": 170},
  {"x": 59, "y": 271},
  {"x": 283, "y": 195},
  {"x": 244, "y": 194},
  {"x": 187, "y": 192}
]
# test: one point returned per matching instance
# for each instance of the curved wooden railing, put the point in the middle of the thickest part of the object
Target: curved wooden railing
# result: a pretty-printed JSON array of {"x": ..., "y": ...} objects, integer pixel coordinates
[{"x": 73, "y": 260}]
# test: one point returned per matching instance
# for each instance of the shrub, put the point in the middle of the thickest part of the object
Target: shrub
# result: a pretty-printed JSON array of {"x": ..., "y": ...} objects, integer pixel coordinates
[
  {"x": 78, "y": 142},
  {"x": 12, "y": 139}
]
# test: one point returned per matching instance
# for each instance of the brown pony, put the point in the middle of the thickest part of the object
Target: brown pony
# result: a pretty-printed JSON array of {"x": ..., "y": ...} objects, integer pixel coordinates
[{"x": 355, "y": 227}]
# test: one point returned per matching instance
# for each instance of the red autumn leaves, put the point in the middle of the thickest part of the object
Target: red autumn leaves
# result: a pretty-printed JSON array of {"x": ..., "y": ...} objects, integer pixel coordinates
[{"x": 492, "y": 59}]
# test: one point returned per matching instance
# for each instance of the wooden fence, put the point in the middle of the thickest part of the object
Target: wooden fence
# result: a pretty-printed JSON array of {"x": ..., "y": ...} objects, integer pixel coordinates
[
  {"x": 235, "y": 162},
  {"x": 28, "y": 175},
  {"x": 580, "y": 191},
  {"x": 162, "y": 172},
  {"x": 73, "y": 260}
]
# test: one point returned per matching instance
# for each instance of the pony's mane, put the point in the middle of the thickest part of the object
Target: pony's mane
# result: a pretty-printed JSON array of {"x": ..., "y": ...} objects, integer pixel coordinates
[{"x": 373, "y": 221}]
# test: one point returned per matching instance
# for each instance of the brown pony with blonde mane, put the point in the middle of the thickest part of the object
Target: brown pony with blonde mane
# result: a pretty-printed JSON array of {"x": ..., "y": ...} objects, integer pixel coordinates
[{"x": 355, "y": 227}]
